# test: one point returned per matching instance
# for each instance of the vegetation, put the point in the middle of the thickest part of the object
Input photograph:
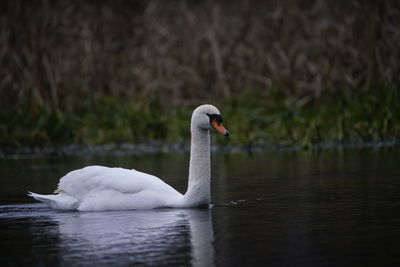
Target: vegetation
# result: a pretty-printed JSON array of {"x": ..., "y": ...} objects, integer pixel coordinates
[
  {"x": 373, "y": 117},
  {"x": 283, "y": 72}
]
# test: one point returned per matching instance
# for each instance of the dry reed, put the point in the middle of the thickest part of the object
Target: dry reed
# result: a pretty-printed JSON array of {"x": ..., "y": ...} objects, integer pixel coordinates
[{"x": 183, "y": 52}]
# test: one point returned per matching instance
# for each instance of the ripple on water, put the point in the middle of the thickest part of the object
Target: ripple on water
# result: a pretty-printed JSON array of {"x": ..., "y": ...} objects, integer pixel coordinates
[{"x": 25, "y": 210}]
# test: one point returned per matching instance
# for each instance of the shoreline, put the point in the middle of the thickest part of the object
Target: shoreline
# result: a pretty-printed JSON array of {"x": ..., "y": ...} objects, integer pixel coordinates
[{"x": 151, "y": 148}]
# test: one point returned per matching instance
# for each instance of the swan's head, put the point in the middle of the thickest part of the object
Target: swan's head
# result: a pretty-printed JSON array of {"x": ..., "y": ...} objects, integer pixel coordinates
[{"x": 207, "y": 117}]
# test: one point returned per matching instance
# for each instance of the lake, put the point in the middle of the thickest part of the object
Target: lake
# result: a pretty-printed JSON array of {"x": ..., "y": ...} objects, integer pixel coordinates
[{"x": 337, "y": 207}]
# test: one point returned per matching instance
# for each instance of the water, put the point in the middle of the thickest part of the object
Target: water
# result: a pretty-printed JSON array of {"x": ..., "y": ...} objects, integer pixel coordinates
[{"x": 328, "y": 208}]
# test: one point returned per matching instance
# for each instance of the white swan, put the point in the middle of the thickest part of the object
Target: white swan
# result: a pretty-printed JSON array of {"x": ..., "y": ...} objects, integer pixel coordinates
[{"x": 97, "y": 188}]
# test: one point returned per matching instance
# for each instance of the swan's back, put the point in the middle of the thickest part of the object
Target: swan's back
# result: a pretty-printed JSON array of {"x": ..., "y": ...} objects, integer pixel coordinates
[{"x": 97, "y": 178}]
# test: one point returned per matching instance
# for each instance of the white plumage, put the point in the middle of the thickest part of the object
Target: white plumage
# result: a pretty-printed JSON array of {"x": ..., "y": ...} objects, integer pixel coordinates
[{"x": 97, "y": 188}]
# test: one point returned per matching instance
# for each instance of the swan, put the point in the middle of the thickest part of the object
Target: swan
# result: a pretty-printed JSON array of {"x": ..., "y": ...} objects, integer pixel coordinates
[{"x": 98, "y": 188}]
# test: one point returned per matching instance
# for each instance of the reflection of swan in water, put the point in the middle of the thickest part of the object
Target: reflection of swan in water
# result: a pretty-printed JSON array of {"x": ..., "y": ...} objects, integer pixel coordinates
[
  {"x": 202, "y": 237},
  {"x": 156, "y": 237}
]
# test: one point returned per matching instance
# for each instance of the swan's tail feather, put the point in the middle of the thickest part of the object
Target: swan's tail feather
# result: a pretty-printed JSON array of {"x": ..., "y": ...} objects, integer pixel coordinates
[
  {"x": 60, "y": 201},
  {"x": 42, "y": 198}
]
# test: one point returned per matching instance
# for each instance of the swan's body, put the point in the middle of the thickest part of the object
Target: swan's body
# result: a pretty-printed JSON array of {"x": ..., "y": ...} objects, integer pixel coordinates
[{"x": 96, "y": 188}]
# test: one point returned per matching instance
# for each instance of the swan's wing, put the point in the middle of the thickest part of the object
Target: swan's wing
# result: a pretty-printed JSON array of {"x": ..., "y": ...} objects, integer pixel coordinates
[{"x": 92, "y": 179}]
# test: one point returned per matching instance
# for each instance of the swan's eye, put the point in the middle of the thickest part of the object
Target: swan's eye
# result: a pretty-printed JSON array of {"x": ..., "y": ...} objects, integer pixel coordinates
[{"x": 215, "y": 117}]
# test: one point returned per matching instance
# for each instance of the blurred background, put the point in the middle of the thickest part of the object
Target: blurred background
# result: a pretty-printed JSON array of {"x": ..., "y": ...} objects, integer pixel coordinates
[{"x": 287, "y": 73}]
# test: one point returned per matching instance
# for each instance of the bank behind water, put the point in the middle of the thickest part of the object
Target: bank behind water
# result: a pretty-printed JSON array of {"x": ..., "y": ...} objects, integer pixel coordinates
[{"x": 270, "y": 120}]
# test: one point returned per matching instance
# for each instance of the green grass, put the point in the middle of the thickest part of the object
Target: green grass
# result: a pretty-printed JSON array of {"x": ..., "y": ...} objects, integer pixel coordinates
[{"x": 372, "y": 116}]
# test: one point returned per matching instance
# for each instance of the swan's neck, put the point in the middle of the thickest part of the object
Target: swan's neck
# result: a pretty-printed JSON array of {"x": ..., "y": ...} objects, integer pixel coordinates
[{"x": 198, "y": 192}]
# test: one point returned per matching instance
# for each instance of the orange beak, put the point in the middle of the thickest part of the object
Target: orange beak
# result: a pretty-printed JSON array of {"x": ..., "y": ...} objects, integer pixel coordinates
[{"x": 219, "y": 127}]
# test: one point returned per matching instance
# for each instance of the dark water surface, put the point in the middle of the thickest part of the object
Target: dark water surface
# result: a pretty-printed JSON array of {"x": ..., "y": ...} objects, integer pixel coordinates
[{"x": 328, "y": 208}]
